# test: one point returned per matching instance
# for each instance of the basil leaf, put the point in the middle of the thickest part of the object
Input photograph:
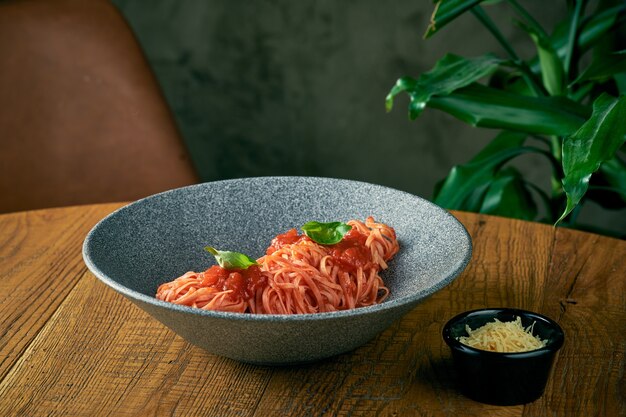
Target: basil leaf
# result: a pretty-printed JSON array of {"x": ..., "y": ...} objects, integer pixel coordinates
[
  {"x": 326, "y": 233},
  {"x": 230, "y": 260}
]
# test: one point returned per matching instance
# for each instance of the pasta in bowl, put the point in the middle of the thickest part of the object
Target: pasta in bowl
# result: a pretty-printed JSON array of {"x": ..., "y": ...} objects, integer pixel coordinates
[
  {"x": 298, "y": 274},
  {"x": 308, "y": 300}
]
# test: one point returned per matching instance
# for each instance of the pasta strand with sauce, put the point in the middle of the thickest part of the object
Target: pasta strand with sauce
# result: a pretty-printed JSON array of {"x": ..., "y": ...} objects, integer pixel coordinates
[{"x": 296, "y": 276}]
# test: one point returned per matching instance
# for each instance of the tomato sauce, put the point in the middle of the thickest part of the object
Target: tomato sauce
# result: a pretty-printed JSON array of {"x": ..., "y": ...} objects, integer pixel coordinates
[
  {"x": 351, "y": 253},
  {"x": 243, "y": 283},
  {"x": 287, "y": 238}
]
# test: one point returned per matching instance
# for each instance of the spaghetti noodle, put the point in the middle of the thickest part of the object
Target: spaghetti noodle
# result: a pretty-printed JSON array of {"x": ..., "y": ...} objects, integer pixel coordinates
[{"x": 296, "y": 275}]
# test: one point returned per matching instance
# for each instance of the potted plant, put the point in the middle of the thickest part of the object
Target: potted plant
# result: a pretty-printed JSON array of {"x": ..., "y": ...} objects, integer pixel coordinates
[{"x": 567, "y": 104}]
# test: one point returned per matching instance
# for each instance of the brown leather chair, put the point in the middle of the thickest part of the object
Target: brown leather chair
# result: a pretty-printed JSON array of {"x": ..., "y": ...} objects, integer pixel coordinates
[{"x": 82, "y": 119}]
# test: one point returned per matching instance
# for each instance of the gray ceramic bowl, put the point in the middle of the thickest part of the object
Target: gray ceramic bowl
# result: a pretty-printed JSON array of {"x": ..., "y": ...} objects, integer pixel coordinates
[{"x": 154, "y": 240}]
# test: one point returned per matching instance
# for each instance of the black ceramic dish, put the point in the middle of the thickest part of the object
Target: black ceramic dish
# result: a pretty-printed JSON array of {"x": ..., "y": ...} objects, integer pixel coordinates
[{"x": 503, "y": 378}]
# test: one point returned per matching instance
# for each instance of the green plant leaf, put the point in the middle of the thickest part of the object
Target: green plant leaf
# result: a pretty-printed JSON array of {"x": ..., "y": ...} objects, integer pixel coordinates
[
  {"x": 607, "y": 186},
  {"x": 614, "y": 173},
  {"x": 596, "y": 141},
  {"x": 450, "y": 73},
  {"x": 552, "y": 72},
  {"x": 446, "y": 11},
  {"x": 483, "y": 106},
  {"x": 581, "y": 92},
  {"x": 511, "y": 81},
  {"x": 529, "y": 78},
  {"x": 620, "y": 80},
  {"x": 230, "y": 260},
  {"x": 574, "y": 27},
  {"x": 508, "y": 196},
  {"x": 592, "y": 29},
  {"x": 603, "y": 67},
  {"x": 465, "y": 185},
  {"x": 326, "y": 233}
]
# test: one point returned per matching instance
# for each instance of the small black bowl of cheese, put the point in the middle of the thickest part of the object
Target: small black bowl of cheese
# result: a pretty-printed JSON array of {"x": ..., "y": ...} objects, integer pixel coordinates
[{"x": 503, "y": 356}]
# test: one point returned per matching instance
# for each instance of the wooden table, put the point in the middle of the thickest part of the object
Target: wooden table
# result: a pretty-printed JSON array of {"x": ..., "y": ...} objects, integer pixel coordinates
[{"x": 69, "y": 346}]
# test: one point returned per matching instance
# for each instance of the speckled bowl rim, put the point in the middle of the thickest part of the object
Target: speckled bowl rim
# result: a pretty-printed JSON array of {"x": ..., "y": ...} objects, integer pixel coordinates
[{"x": 385, "y": 305}]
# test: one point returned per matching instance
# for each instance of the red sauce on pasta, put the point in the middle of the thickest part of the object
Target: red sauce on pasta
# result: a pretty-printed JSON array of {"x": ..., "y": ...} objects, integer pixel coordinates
[
  {"x": 351, "y": 253},
  {"x": 290, "y": 237},
  {"x": 241, "y": 283},
  {"x": 296, "y": 276}
]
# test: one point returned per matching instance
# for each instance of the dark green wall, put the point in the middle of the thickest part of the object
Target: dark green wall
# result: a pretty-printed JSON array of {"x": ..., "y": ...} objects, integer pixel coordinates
[
  {"x": 283, "y": 87},
  {"x": 298, "y": 87}
]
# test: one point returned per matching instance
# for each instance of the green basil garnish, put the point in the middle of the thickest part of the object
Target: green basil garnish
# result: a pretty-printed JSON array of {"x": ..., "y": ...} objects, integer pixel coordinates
[
  {"x": 326, "y": 233},
  {"x": 231, "y": 260}
]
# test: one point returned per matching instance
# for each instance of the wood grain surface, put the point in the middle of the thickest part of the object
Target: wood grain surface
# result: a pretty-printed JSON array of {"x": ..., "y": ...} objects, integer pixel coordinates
[{"x": 69, "y": 346}]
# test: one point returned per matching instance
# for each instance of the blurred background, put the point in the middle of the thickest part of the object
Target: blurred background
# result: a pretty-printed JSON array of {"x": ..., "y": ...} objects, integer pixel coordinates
[{"x": 278, "y": 87}]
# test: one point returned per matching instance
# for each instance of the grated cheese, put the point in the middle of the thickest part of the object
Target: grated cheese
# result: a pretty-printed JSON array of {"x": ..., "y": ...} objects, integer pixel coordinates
[{"x": 500, "y": 336}]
